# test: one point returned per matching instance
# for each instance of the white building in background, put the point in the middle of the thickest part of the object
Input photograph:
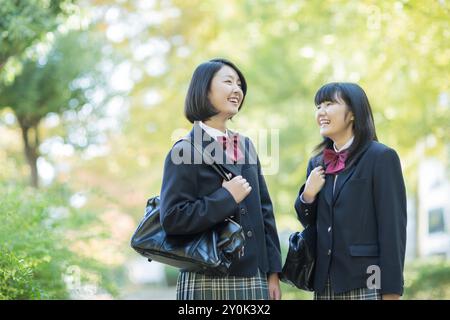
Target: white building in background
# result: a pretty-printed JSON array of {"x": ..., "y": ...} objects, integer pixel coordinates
[{"x": 429, "y": 235}]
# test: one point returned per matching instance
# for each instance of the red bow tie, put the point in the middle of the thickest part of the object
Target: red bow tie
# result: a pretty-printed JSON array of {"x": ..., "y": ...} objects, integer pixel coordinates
[
  {"x": 230, "y": 145},
  {"x": 334, "y": 161}
]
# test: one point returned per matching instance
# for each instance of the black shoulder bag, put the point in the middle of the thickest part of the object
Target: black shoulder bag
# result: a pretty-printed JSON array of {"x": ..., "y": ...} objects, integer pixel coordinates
[
  {"x": 210, "y": 252},
  {"x": 298, "y": 269}
]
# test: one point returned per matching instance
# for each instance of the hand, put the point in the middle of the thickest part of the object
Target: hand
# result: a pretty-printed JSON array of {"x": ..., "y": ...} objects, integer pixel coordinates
[
  {"x": 238, "y": 187},
  {"x": 314, "y": 184},
  {"x": 274, "y": 286},
  {"x": 390, "y": 296}
]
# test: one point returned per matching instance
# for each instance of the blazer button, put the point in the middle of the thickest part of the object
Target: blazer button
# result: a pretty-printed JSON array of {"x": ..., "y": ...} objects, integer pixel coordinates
[
  {"x": 249, "y": 234},
  {"x": 242, "y": 211},
  {"x": 329, "y": 252},
  {"x": 329, "y": 229}
]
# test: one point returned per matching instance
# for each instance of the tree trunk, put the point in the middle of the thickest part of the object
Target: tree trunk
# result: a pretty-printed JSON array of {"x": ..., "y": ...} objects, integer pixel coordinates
[{"x": 31, "y": 150}]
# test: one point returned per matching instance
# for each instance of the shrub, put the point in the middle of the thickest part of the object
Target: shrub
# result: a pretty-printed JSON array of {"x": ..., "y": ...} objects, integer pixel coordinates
[
  {"x": 34, "y": 250},
  {"x": 428, "y": 279}
]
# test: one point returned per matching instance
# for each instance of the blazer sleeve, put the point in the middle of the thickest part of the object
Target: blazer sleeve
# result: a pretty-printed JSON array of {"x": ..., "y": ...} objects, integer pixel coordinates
[
  {"x": 306, "y": 212},
  {"x": 182, "y": 210},
  {"x": 271, "y": 235},
  {"x": 390, "y": 208}
]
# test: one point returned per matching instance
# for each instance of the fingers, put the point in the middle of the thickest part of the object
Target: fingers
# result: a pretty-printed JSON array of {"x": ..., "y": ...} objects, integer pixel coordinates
[
  {"x": 246, "y": 185},
  {"x": 241, "y": 182},
  {"x": 320, "y": 171},
  {"x": 322, "y": 174},
  {"x": 275, "y": 293}
]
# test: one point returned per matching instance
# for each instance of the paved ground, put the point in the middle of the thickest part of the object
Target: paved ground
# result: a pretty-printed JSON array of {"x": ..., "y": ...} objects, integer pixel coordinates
[{"x": 150, "y": 293}]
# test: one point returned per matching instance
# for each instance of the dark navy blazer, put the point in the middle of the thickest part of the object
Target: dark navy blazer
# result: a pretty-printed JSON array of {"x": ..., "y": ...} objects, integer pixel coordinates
[
  {"x": 362, "y": 224},
  {"x": 193, "y": 200}
]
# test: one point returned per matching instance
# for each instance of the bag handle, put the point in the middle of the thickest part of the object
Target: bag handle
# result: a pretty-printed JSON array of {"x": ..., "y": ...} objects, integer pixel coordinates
[{"x": 217, "y": 167}]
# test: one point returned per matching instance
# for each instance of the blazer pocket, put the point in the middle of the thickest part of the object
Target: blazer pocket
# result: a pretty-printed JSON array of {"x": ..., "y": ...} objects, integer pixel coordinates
[{"x": 364, "y": 250}]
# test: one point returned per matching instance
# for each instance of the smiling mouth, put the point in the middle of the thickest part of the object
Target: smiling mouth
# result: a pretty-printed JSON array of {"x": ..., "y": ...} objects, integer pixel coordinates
[
  {"x": 234, "y": 100},
  {"x": 324, "y": 123}
]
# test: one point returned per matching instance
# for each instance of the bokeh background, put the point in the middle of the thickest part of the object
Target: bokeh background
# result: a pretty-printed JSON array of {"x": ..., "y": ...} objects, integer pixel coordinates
[{"x": 91, "y": 100}]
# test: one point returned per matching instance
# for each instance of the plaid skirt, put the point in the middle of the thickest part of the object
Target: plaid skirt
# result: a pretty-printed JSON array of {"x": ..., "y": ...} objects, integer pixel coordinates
[
  {"x": 196, "y": 286},
  {"x": 355, "y": 294}
]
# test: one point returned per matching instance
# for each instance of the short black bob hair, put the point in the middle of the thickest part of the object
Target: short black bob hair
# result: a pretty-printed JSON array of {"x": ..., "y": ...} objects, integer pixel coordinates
[
  {"x": 358, "y": 103},
  {"x": 197, "y": 106}
]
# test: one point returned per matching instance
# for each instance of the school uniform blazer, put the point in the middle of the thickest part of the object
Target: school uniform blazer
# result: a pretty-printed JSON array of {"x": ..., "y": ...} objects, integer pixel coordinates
[
  {"x": 193, "y": 200},
  {"x": 362, "y": 224}
]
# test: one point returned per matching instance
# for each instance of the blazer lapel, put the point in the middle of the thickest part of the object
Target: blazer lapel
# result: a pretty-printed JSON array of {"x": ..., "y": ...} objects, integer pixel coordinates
[
  {"x": 346, "y": 174},
  {"x": 341, "y": 180},
  {"x": 235, "y": 169},
  {"x": 210, "y": 146},
  {"x": 328, "y": 189}
]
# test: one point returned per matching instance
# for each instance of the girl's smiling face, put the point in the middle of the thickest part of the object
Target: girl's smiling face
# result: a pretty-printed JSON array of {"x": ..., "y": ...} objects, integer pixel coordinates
[
  {"x": 334, "y": 118},
  {"x": 225, "y": 92}
]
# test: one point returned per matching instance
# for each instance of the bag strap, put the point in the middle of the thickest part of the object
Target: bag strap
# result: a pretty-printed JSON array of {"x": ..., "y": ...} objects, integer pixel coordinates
[
  {"x": 221, "y": 171},
  {"x": 217, "y": 167}
]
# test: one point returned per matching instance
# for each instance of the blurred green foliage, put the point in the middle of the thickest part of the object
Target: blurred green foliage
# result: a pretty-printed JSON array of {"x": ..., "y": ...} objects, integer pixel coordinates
[
  {"x": 171, "y": 275},
  {"x": 427, "y": 279},
  {"x": 35, "y": 235},
  {"x": 24, "y": 22},
  {"x": 65, "y": 79}
]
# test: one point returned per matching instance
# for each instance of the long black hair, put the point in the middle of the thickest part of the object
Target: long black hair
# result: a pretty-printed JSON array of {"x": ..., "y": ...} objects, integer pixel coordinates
[{"x": 363, "y": 125}]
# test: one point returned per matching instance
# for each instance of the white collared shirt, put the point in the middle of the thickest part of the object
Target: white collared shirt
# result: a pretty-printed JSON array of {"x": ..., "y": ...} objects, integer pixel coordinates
[
  {"x": 345, "y": 146},
  {"x": 213, "y": 132}
]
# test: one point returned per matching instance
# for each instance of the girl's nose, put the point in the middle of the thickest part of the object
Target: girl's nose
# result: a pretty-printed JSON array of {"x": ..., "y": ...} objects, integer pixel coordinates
[
  {"x": 320, "y": 111},
  {"x": 236, "y": 88}
]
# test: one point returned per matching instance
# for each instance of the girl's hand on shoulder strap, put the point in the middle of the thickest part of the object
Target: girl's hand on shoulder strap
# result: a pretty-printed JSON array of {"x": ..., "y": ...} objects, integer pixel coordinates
[
  {"x": 238, "y": 187},
  {"x": 314, "y": 184}
]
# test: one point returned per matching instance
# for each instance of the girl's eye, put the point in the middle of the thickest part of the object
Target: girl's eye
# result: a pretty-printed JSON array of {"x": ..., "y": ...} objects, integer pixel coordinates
[{"x": 228, "y": 81}]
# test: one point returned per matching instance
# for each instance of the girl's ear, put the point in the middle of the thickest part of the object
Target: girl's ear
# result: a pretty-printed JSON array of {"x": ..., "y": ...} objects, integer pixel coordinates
[{"x": 352, "y": 117}]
